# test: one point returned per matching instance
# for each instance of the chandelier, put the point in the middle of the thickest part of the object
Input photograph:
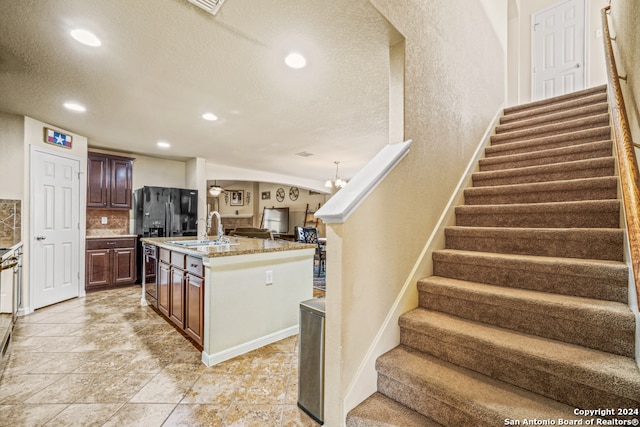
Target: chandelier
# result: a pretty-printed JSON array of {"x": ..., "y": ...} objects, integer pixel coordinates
[
  {"x": 337, "y": 181},
  {"x": 215, "y": 189}
]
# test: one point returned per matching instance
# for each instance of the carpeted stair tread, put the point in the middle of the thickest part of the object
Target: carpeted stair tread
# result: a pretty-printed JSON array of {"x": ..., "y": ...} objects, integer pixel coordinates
[
  {"x": 576, "y": 375},
  {"x": 589, "y": 243},
  {"x": 597, "y": 279},
  {"x": 599, "y": 188},
  {"x": 578, "y": 214},
  {"x": 380, "y": 411},
  {"x": 590, "y": 150},
  {"x": 553, "y": 108},
  {"x": 556, "y": 117},
  {"x": 557, "y": 100},
  {"x": 549, "y": 142},
  {"x": 589, "y": 168},
  {"x": 595, "y": 121},
  {"x": 455, "y": 396},
  {"x": 602, "y": 325}
]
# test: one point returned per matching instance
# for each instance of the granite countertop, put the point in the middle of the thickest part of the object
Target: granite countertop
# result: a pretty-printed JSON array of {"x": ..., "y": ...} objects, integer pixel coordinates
[
  {"x": 106, "y": 234},
  {"x": 6, "y": 252},
  {"x": 238, "y": 246}
]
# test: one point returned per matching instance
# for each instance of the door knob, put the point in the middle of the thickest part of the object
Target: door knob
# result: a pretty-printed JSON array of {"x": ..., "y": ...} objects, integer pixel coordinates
[{"x": 40, "y": 237}]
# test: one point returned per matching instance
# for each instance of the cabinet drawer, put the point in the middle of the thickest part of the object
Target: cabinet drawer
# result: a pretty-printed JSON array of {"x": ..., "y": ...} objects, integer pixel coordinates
[
  {"x": 165, "y": 255},
  {"x": 194, "y": 266},
  {"x": 110, "y": 243},
  {"x": 178, "y": 259}
]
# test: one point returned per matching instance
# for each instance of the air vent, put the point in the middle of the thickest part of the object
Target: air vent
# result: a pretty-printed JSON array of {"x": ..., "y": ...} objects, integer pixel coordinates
[
  {"x": 304, "y": 154},
  {"x": 211, "y": 6}
]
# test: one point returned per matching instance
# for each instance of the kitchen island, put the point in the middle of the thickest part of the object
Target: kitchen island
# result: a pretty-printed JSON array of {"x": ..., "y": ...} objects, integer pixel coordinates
[{"x": 231, "y": 298}]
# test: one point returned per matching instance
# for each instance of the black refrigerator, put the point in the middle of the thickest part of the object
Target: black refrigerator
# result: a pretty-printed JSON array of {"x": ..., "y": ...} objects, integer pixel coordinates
[{"x": 165, "y": 212}]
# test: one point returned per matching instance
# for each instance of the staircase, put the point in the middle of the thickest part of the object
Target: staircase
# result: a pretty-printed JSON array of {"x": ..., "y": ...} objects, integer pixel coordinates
[{"x": 526, "y": 315}]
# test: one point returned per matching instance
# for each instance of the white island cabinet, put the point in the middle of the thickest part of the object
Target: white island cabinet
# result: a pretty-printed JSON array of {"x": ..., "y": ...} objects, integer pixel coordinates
[{"x": 252, "y": 292}]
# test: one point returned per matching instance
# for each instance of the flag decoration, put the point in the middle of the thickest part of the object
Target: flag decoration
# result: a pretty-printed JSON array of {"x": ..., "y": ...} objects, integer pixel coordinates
[{"x": 57, "y": 138}]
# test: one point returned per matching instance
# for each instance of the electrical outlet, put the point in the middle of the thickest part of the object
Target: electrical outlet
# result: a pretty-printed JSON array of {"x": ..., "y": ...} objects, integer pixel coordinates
[
  {"x": 269, "y": 277},
  {"x": 103, "y": 220}
]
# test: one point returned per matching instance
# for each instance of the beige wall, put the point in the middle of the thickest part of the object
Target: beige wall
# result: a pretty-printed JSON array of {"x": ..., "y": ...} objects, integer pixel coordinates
[
  {"x": 520, "y": 30},
  {"x": 624, "y": 25},
  {"x": 11, "y": 157},
  {"x": 454, "y": 86}
]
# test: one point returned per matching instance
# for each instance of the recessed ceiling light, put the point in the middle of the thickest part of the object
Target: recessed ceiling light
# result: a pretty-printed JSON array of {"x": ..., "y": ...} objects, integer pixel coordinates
[
  {"x": 86, "y": 37},
  {"x": 163, "y": 144},
  {"x": 210, "y": 116},
  {"x": 74, "y": 106},
  {"x": 295, "y": 60}
]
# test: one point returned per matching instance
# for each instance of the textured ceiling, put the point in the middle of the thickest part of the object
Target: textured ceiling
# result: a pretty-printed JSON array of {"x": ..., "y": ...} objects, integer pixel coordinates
[{"x": 163, "y": 63}]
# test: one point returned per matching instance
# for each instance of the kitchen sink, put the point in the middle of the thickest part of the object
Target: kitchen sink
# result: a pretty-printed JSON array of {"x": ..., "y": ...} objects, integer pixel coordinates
[{"x": 192, "y": 243}]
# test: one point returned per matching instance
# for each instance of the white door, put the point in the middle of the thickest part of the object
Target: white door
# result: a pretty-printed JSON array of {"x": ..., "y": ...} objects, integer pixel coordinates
[
  {"x": 55, "y": 231},
  {"x": 558, "y": 49}
]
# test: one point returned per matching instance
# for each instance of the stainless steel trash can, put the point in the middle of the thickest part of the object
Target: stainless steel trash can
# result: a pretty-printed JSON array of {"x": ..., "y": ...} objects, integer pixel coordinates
[{"x": 311, "y": 358}]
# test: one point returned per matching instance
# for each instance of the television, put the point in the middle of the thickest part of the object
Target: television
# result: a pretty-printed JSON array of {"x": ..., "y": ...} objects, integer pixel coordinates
[{"x": 276, "y": 219}]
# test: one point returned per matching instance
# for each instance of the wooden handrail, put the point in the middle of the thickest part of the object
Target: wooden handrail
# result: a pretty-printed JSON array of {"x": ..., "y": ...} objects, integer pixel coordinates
[{"x": 629, "y": 177}]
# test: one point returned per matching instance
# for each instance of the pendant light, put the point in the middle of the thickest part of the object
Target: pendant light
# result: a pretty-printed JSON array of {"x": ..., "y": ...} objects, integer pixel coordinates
[
  {"x": 215, "y": 189},
  {"x": 337, "y": 182}
]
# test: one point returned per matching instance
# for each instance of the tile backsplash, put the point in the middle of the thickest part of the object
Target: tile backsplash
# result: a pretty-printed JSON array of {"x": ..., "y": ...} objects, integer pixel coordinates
[
  {"x": 10, "y": 222},
  {"x": 117, "y": 222}
]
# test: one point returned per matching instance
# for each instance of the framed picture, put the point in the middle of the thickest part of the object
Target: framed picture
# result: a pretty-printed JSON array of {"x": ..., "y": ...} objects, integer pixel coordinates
[
  {"x": 237, "y": 198},
  {"x": 266, "y": 195}
]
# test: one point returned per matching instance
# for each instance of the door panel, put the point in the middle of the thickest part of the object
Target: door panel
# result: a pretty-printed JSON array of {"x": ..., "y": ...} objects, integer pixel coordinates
[
  {"x": 55, "y": 211},
  {"x": 558, "y": 49}
]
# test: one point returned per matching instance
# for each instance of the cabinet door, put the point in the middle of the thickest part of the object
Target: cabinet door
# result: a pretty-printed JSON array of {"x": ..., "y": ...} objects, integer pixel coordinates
[
  {"x": 124, "y": 266},
  {"x": 120, "y": 183},
  {"x": 98, "y": 267},
  {"x": 97, "y": 180},
  {"x": 194, "y": 316},
  {"x": 164, "y": 277},
  {"x": 176, "y": 306}
]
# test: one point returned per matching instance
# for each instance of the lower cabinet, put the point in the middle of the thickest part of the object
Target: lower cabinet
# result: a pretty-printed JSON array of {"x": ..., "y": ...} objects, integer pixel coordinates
[
  {"x": 181, "y": 291},
  {"x": 110, "y": 262}
]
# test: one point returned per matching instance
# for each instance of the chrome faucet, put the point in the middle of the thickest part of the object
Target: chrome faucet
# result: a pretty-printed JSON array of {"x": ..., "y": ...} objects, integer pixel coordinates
[{"x": 220, "y": 230}]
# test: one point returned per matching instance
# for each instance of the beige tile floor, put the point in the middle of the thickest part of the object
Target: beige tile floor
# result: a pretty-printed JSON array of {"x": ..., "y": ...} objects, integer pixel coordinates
[{"x": 103, "y": 360}]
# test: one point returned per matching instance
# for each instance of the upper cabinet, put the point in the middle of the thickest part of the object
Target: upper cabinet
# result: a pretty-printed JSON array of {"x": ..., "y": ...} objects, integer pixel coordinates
[{"x": 109, "y": 181}]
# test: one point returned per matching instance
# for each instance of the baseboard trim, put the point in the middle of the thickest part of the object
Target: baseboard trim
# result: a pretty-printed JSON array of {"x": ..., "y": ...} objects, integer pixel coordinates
[{"x": 230, "y": 353}]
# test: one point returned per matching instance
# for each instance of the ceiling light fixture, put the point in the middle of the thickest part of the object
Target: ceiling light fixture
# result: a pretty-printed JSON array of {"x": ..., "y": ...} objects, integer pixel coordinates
[
  {"x": 337, "y": 182},
  {"x": 74, "y": 106},
  {"x": 86, "y": 37},
  {"x": 210, "y": 116},
  {"x": 163, "y": 144},
  {"x": 295, "y": 60},
  {"x": 215, "y": 189}
]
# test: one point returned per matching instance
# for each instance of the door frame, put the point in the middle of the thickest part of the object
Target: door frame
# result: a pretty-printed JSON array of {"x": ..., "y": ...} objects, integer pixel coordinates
[
  {"x": 81, "y": 220},
  {"x": 587, "y": 60}
]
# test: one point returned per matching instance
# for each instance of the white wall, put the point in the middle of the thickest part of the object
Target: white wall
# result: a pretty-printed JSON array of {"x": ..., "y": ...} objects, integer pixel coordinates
[
  {"x": 11, "y": 159},
  {"x": 455, "y": 72}
]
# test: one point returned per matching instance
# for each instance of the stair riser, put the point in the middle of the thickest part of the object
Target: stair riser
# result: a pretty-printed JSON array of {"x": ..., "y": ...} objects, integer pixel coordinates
[
  {"x": 430, "y": 404},
  {"x": 492, "y": 165},
  {"x": 536, "y": 220},
  {"x": 556, "y": 118},
  {"x": 556, "y": 129},
  {"x": 522, "y": 373},
  {"x": 557, "y": 173},
  {"x": 587, "y": 248},
  {"x": 572, "y": 100},
  {"x": 613, "y": 335},
  {"x": 539, "y": 144},
  {"x": 560, "y": 195},
  {"x": 543, "y": 279}
]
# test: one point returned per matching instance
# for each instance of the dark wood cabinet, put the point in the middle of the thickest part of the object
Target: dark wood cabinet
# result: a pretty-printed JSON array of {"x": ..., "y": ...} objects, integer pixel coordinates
[
  {"x": 180, "y": 282},
  {"x": 110, "y": 262},
  {"x": 109, "y": 181}
]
